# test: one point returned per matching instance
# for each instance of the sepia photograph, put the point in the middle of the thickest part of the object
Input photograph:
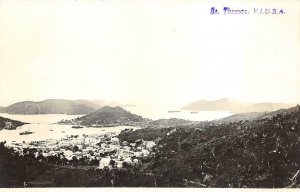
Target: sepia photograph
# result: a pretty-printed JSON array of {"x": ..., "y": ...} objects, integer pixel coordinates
[{"x": 143, "y": 94}]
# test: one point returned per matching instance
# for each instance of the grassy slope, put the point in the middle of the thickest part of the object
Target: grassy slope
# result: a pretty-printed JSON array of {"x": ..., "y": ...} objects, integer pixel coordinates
[{"x": 261, "y": 153}]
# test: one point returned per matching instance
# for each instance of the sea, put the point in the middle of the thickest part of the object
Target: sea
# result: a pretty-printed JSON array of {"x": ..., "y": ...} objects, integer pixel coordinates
[
  {"x": 45, "y": 126},
  {"x": 192, "y": 115}
]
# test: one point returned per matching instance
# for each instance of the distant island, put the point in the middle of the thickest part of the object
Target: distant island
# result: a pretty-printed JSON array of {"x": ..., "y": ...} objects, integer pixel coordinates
[
  {"x": 117, "y": 116},
  {"x": 107, "y": 117},
  {"x": 9, "y": 124},
  {"x": 57, "y": 106},
  {"x": 226, "y": 104}
]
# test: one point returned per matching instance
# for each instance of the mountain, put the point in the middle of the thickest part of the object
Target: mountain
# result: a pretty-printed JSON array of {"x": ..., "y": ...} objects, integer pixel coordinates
[
  {"x": 261, "y": 153},
  {"x": 58, "y": 106},
  {"x": 110, "y": 116},
  {"x": 6, "y": 123},
  {"x": 226, "y": 104}
]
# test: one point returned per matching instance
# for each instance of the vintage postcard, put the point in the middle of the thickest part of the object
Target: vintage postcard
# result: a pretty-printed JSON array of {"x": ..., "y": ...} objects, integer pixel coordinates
[{"x": 117, "y": 94}]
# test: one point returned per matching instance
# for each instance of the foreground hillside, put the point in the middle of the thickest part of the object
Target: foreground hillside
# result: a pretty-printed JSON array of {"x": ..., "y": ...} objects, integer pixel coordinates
[
  {"x": 110, "y": 116},
  {"x": 57, "y": 106},
  {"x": 260, "y": 153}
]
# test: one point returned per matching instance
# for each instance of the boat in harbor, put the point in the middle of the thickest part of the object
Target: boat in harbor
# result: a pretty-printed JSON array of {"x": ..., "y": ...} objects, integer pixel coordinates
[
  {"x": 77, "y": 127},
  {"x": 174, "y": 111},
  {"x": 26, "y": 133}
]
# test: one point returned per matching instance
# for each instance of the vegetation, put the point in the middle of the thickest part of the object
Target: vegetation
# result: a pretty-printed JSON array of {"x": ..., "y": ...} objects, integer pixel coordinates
[
  {"x": 110, "y": 116},
  {"x": 262, "y": 153},
  {"x": 163, "y": 123},
  {"x": 31, "y": 171},
  {"x": 147, "y": 134},
  {"x": 6, "y": 123}
]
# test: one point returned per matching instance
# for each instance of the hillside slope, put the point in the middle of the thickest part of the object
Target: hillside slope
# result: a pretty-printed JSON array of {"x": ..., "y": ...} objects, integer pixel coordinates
[
  {"x": 260, "y": 153},
  {"x": 109, "y": 116},
  {"x": 164, "y": 123},
  {"x": 251, "y": 116}
]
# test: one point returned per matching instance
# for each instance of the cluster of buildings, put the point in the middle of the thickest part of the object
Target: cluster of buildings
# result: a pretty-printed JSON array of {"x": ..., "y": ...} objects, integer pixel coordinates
[
  {"x": 105, "y": 148},
  {"x": 8, "y": 125}
]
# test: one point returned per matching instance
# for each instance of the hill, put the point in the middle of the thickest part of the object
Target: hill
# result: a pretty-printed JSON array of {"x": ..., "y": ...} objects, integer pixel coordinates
[
  {"x": 258, "y": 153},
  {"x": 226, "y": 104},
  {"x": 57, "y": 106},
  {"x": 110, "y": 116},
  {"x": 164, "y": 123},
  {"x": 250, "y": 116},
  {"x": 6, "y": 123}
]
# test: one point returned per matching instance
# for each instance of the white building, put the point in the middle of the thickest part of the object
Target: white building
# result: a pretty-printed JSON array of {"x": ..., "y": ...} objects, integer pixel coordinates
[
  {"x": 80, "y": 147},
  {"x": 132, "y": 144},
  {"x": 119, "y": 164},
  {"x": 128, "y": 160},
  {"x": 89, "y": 148},
  {"x": 68, "y": 154},
  {"x": 135, "y": 161},
  {"x": 145, "y": 152},
  {"x": 103, "y": 145},
  {"x": 64, "y": 144},
  {"x": 114, "y": 147},
  {"x": 91, "y": 140},
  {"x": 127, "y": 148},
  {"x": 126, "y": 153},
  {"x": 8, "y": 125},
  {"x": 115, "y": 140},
  {"x": 104, "y": 162},
  {"x": 149, "y": 144},
  {"x": 138, "y": 154}
]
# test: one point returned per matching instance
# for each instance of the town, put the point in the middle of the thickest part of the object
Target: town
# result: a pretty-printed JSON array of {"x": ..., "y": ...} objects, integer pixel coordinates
[{"x": 96, "y": 151}]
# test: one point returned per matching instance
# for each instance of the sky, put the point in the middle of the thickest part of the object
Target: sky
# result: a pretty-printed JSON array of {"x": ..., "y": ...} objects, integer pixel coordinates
[{"x": 148, "y": 53}]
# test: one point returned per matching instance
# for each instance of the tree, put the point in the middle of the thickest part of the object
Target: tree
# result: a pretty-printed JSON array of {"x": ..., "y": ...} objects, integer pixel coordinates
[
  {"x": 75, "y": 148},
  {"x": 112, "y": 163}
]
